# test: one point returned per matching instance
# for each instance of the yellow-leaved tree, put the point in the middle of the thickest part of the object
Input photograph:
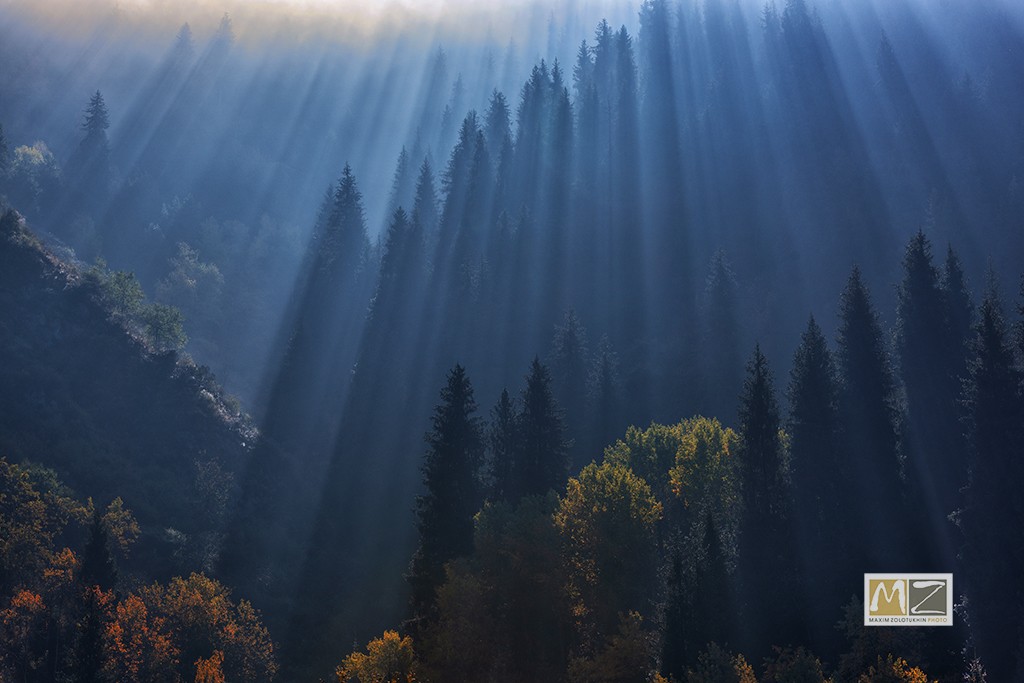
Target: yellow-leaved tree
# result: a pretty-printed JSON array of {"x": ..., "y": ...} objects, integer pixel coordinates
[{"x": 388, "y": 659}]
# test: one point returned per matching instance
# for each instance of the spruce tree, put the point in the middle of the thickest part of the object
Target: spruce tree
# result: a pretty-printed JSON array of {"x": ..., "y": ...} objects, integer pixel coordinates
[
  {"x": 569, "y": 370},
  {"x": 503, "y": 444},
  {"x": 925, "y": 344},
  {"x": 497, "y": 125},
  {"x": 96, "y": 120},
  {"x": 541, "y": 465},
  {"x": 993, "y": 515},
  {"x": 710, "y": 599},
  {"x": 344, "y": 245},
  {"x": 89, "y": 165},
  {"x": 812, "y": 427},
  {"x": 5, "y": 155},
  {"x": 959, "y": 314},
  {"x": 869, "y": 433},
  {"x": 762, "y": 465},
  {"x": 452, "y": 492},
  {"x": 424, "y": 206},
  {"x": 766, "y": 547},
  {"x": 723, "y": 379},
  {"x": 401, "y": 183},
  {"x": 819, "y": 476},
  {"x": 603, "y": 396}
]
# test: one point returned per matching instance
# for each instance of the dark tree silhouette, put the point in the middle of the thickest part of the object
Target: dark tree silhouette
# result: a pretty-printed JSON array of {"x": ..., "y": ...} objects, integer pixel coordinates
[
  {"x": 503, "y": 446},
  {"x": 993, "y": 561},
  {"x": 451, "y": 478},
  {"x": 541, "y": 465},
  {"x": 869, "y": 433}
]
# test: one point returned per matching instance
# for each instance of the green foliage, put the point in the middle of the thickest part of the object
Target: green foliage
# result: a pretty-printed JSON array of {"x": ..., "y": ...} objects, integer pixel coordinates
[
  {"x": 704, "y": 476},
  {"x": 192, "y": 286},
  {"x": 162, "y": 326},
  {"x": 32, "y": 516},
  {"x": 651, "y": 453},
  {"x": 607, "y": 520},
  {"x": 34, "y": 176}
]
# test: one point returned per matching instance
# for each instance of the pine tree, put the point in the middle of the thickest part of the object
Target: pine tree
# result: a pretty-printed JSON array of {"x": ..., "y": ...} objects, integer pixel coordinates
[
  {"x": 817, "y": 473},
  {"x": 959, "y": 313},
  {"x": 812, "y": 428},
  {"x": 424, "y": 206},
  {"x": 497, "y": 125},
  {"x": 5, "y": 156},
  {"x": 96, "y": 119},
  {"x": 603, "y": 395},
  {"x": 401, "y": 184},
  {"x": 926, "y": 347},
  {"x": 344, "y": 245},
  {"x": 452, "y": 492},
  {"x": 710, "y": 598},
  {"x": 869, "y": 430},
  {"x": 89, "y": 166},
  {"x": 569, "y": 370},
  {"x": 722, "y": 337},
  {"x": 542, "y": 461},
  {"x": 503, "y": 443},
  {"x": 762, "y": 465},
  {"x": 993, "y": 513},
  {"x": 766, "y": 543}
]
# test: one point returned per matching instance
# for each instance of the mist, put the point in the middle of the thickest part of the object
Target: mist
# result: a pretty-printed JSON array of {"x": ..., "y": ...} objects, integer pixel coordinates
[{"x": 343, "y": 201}]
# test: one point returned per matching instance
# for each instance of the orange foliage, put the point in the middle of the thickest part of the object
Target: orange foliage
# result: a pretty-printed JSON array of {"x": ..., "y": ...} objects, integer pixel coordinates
[
  {"x": 138, "y": 647},
  {"x": 210, "y": 670}
]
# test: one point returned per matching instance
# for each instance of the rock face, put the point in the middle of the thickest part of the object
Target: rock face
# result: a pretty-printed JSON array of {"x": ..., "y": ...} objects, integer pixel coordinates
[{"x": 83, "y": 395}]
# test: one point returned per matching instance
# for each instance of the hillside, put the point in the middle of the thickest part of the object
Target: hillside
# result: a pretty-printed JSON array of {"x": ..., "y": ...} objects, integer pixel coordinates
[{"x": 89, "y": 398}]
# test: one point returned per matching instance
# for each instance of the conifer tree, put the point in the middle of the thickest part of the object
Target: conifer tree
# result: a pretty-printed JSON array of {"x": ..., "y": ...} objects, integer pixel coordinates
[
  {"x": 424, "y": 206},
  {"x": 869, "y": 431},
  {"x": 96, "y": 120},
  {"x": 542, "y": 461},
  {"x": 497, "y": 125},
  {"x": 602, "y": 392},
  {"x": 722, "y": 337},
  {"x": 452, "y": 492},
  {"x": 813, "y": 426},
  {"x": 345, "y": 245},
  {"x": 992, "y": 517},
  {"x": 503, "y": 443},
  {"x": 5, "y": 155},
  {"x": 762, "y": 464},
  {"x": 401, "y": 183},
  {"x": 959, "y": 313},
  {"x": 926, "y": 348},
  {"x": 710, "y": 596},
  {"x": 90, "y": 163},
  {"x": 766, "y": 542},
  {"x": 569, "y": 368},
  {"x": 818, "y": 474}
]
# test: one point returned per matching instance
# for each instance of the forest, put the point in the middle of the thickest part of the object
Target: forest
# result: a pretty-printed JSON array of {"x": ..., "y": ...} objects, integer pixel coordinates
[{"x": 562, "y": 342}]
